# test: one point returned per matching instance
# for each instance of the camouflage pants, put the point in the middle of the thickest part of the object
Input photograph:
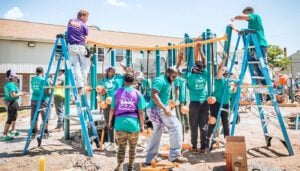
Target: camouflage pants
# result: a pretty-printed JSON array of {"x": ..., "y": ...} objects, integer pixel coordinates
[{"x": 122, "y": 139}]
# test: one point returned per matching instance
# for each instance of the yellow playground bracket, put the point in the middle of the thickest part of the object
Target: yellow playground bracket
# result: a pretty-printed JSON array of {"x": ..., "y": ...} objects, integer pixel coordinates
[{"x": 158, "y": 47}]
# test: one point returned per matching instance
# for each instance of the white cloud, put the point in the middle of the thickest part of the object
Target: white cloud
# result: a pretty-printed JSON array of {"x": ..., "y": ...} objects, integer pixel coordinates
[
  {"x": 14, "y": 13},
  {"x": 117, "y": 3},
  {"x": 139, "y": 6}
]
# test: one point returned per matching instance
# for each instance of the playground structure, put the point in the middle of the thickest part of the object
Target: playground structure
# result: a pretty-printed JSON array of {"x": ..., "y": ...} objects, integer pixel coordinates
[{"x": 208, "y": 42}]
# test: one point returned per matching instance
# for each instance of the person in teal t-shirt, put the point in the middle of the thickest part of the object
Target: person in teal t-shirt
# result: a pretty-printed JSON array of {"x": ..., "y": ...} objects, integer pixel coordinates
[
  {"x": 255, "y": 23},
  {"x": 162, "y": 115},
  {"x": 127, "y": 109},
  {"x": 219, "y": 85},
  {"x": 111, "y": 82},
  {"x": 37, "y": 85},
  {"x": 198, "y": 107},
  {"x": 11, "y": 96}
]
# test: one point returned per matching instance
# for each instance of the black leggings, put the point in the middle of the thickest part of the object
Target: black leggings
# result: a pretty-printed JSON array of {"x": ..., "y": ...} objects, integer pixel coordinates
[
  {"x": 198, "y": 117},
  {"x": 12, "y": 111},
  {"x": 110, "y": 131},
  {"x": 214, "y": 109}
]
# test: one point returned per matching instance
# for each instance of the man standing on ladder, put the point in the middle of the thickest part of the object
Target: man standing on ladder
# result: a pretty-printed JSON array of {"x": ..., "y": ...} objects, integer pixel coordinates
[
  {"x": 77, "y": 32},
  {"x": 255, "y": 23}
]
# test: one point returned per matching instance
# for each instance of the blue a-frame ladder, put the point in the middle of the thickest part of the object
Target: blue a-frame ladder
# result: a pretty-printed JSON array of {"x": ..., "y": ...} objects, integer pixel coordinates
[
  {"x": 83, "y": 110},
  {"x": 247, "y": 37}
]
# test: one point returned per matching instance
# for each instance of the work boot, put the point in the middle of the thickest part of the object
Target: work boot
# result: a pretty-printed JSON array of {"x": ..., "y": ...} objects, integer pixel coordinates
[
  {"x": 180, "y": 160},
  {"x": 119, "y": 168}
]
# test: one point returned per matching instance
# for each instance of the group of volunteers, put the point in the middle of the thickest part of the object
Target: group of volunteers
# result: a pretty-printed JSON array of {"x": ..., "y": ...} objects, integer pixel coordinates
[{"x": 125, "y": 114}]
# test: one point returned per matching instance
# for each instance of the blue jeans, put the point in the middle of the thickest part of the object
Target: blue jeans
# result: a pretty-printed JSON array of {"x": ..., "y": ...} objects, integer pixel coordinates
[
  {"x": 175, "y": 134},
  {"x": 256, "y": 67}
]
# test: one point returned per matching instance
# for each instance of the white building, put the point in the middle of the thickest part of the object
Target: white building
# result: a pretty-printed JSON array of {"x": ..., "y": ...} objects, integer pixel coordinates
[{"x": 27, "y": 45}]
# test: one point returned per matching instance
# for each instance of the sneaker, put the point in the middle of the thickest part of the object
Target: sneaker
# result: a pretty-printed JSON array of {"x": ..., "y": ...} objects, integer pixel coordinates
[
  {"x": 180, "y": 160},
  {"x": 15, "y": 133},
  {"x": 6, "y": 138},
  {"x": 193, "y": 150},
  {"x": 202, "y": 150},
  {"x": 112, "y": 147}
]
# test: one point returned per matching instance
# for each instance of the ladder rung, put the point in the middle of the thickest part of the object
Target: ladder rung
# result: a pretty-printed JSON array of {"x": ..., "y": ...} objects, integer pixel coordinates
[
  {"x": 73, "y": 118},
  {"x": 250, "y": 47},
  {"x": 253, "y": 62},
  {"x": 258, "y": 78},
  {"x": 45, "y": 108},
  {"x": 225, "y": 110},
  {"x": 255, "y": 86}
]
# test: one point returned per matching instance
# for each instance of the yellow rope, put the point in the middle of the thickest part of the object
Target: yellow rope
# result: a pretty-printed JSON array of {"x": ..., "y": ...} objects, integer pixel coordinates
[{"x": 157, "y": 47}]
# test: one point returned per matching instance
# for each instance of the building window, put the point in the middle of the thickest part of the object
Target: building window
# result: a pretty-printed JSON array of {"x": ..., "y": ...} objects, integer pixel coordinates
[
  {"x": 100, "y": 54},
  {"x": 119, "y": 55}
]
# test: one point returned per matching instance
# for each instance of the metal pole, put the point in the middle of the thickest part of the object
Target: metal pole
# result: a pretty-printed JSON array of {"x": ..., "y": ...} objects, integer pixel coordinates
[
  {"x": 227, "y": 43},
  {"x": 113, "y": 58},
  {"x": 209, "y": 64},
  {"x": 157, "y": 58},
  {"x": 93, "y": 79},
  {"x": 170, "y": 59},
  {"x": 174, "y": 56},
  {"x": 128, "y": 57}
]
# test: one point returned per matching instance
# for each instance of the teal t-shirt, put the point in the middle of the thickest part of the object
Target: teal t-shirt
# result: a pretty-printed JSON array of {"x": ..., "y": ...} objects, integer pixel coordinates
[
  {"x": 8, "y": 88},
  {"x": 255, "y": 23},
  {"x": 162, "y": 85},
  {"x": 37, "y": 84},
  {"x": 196, "y": 83},
  {"x": 219, "y": 88},
  {"x": 180, "y": 82},
  {"x": 112, "y": 84},
  {"x": 127, "y": 123}
]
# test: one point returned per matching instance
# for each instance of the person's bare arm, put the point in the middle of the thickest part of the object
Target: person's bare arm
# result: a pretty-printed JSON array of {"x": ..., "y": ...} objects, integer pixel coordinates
[
  {"x": 15, "y": 95},
  {"x": 111, "y": 114},
  {"x": 125, "y": 68},
  {"x": 241, "y": 17},
  {"x": 220, "y": 68},
  {"x": 142, "y": 119},
  {"x": 157, "y": 101}
]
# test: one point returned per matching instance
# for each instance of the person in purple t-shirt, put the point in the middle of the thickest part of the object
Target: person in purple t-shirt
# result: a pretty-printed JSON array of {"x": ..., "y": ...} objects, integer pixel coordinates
[{"x": 77, "y": 39}]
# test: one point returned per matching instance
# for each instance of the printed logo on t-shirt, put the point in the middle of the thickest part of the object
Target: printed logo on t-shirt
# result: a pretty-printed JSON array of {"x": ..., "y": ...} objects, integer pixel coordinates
[{"x": 126, "y": 102}]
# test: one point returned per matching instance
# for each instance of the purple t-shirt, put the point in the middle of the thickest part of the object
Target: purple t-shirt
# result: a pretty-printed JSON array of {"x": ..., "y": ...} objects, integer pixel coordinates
[{"x": 76, "y": 34}]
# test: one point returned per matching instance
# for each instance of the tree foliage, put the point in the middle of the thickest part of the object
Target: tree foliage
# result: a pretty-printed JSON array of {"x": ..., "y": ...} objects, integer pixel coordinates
[{"x": 277, "y": 58}]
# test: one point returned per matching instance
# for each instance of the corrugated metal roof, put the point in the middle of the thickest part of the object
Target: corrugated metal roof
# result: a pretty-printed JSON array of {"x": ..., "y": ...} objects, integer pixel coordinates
[{"x": 41, "y": 32}]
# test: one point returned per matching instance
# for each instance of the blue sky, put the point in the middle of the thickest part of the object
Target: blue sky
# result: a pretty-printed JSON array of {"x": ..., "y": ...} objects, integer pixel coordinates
[{"x": 165, "y": 17}]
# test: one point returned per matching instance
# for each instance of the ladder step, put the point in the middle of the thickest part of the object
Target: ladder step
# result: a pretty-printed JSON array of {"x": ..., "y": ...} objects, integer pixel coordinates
[
  {"x": 255, "y": 86},
  {"x": 261, "y": 91},
  {"x": 258, "y": 78},
  {"x": 225, "y": 110},
  {"x": 253, "y": 62},
  {"x": 233, "y": 80}
]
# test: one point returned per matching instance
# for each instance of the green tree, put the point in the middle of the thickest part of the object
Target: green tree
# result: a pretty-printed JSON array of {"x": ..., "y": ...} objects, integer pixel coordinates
[{"x": 277, "y": 58}]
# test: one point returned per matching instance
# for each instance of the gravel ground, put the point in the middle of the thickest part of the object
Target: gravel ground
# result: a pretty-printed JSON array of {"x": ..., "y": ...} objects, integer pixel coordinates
[{"x": 67, "y": 155}]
